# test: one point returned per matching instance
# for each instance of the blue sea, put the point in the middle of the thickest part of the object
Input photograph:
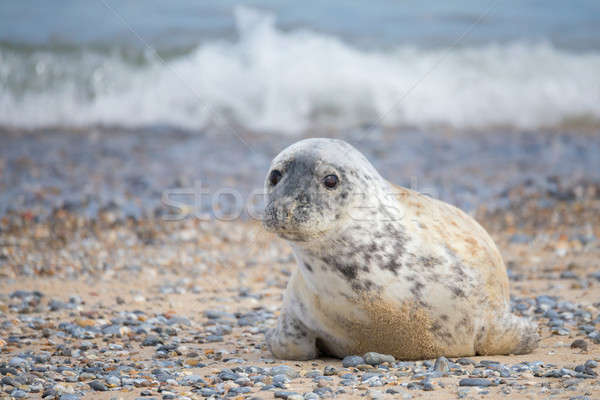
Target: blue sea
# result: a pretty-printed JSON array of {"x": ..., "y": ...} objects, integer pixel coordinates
[{"x": 288, "y": 67}]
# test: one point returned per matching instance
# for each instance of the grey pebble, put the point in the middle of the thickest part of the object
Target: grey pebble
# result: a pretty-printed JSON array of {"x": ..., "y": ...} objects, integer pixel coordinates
[
  {"x": 373, "y": 358},
  {"x": 151, "y": 340},
  {"x": 98, "y": 386},
  {"x": 282, "y": 394},
  {"x": 214, "y": 338},
  {"x": 475, "y": 382},
  {"x": 69, "y": 396},
  {"x": 17, "y": 362},
  {"x": 329, "y": 370},
  {"x": 18, "y": 394},
  {"x": 441, "y": 365},
  {"x": 352, "y": 361},
  {"x": 579, "y": 344},
  {"x": 207, "y": 392},
  {"x": 113, "y": 380},
  {"x": 285, "y": 370},
  {"x": 280, "y": 380},
  {"x": 594, "y": 337}
]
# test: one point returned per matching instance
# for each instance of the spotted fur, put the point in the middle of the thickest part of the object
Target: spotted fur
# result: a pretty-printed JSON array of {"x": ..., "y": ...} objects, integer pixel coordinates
[{"x": 383, "y": 268}]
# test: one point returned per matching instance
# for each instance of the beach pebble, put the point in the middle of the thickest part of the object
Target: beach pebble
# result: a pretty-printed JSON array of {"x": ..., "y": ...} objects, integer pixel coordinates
[
  {"x": 285, "y": 394},
  {"x": 285, "y": 370},
  {"x": 352, "y": 361},
  {"x": 441, "y": 365},
  {"x": 373, "y": 358},
  {"x": 475, "y": 382},
  {"x": 98, "y": 386},
  {"x": 18, "y": 394},
  {"x": 579, "y": 344}
]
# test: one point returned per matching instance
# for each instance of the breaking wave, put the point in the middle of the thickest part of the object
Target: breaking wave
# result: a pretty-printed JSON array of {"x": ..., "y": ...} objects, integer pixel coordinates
[{"x": 291, "y": 81}]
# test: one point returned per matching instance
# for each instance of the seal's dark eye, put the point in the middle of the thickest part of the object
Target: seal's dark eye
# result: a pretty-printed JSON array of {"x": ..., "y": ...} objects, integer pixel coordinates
[
  {"x": 330, "y": 181},
  {"x": 274, "y": 177}
]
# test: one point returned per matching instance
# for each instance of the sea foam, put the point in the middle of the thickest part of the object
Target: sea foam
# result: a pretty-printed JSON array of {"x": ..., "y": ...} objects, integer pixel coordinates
[{"x": 290, "y": 81}]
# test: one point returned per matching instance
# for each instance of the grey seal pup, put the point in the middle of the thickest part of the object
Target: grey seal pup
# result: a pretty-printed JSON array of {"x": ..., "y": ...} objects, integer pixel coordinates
[{"x": 380, "y": 267}]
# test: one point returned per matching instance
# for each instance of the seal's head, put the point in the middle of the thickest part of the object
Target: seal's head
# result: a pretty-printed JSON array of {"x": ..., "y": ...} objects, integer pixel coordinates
[{"x": 312, "y": 187}]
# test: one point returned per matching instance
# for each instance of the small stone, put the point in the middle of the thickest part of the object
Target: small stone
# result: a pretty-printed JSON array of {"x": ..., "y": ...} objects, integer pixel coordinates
[
  {"x": 579, "y": 344},
  {"x": 228, "y": 375},
  {"x": 280, "y": 380},
  {"x": 69, "y": 396},
  {"x": 329, "y": 370},
  {"x": 98, "y": 386},
  {"x": 151, "y": 340},
  {"x": 594, "y": 337},
  {"x": 208, "y": 392},
  {"x": 373, "y": 358},
  {"x": 18, "y": 394},
  {"x": 285, "y": 370},
  {"x": 214, "y": 338},
  {"x": 375, "y": 394},
  {"x": 520, "y": 238},
  {"x": 113, "y": 381},
  {"x": 568, "y": 275},
  {"x": 560, "y": 331},
  {"x": 17, "y": 362},
  {"x": 282, "y": 394},
  {"x": 474, "y": 382},
  {"x": 352, "y": 361},
  {"x": 441, "y": 365}
]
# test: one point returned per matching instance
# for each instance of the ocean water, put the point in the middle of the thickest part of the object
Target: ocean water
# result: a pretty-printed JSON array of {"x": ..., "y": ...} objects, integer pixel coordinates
[{"x": 293, "y": 67}]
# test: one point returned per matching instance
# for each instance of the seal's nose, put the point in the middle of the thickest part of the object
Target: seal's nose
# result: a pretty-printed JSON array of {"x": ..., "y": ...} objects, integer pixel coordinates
[{"x": 282, "y": 214}]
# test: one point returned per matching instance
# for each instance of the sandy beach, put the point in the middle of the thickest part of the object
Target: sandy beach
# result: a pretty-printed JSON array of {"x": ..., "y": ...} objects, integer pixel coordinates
[{"x": 108, "y": 301}]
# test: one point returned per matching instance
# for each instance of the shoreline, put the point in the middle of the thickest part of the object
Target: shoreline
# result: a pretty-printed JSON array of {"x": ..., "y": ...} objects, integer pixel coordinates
[{"x": 130, "y": 170}]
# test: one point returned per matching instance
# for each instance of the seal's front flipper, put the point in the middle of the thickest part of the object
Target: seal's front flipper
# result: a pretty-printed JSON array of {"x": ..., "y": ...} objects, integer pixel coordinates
[{"x": 291, "y": 340}]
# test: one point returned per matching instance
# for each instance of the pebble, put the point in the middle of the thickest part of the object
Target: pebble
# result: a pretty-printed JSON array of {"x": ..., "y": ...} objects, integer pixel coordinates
[
  {"x": 352, "y": 361},
  {"x": 579, "y": 344},
  {"x": 329, "y": 370},
  {"x": 285, "y": 394},
  {"x": 373, "y": 358},
  {"x": 17, "y": 362},
  {"x": 441, "y": 365},
  {"x": 474, "y": 382},
  {"x": 285, "y": 370},
  {"x": 98, "y": 386},
  {"x": 151, "y": 340},
  {"x": 69, "y": 396},
  {"x": 18, "y": 394}
]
